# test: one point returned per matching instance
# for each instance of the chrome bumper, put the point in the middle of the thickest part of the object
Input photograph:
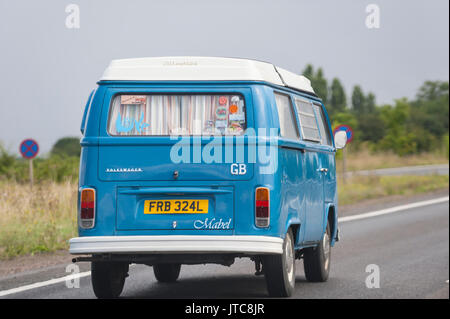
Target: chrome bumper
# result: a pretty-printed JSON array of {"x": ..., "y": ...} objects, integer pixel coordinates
[{"x": 172, "y": 244}]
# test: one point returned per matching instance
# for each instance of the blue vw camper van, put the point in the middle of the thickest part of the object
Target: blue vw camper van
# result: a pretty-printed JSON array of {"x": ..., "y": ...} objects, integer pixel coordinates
[{"x": 194, "y": 160}]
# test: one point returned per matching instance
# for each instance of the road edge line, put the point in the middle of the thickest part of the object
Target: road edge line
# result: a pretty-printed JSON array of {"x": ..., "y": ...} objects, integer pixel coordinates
[
  {"x": 394, "y": 209},
  {"x": 43, "y": 283}
]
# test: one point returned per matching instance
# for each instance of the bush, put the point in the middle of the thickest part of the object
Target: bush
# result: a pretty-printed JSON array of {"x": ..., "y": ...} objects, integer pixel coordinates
[
  {"x": 67, "y": 146},
  {"x": 56, "y": 168}
]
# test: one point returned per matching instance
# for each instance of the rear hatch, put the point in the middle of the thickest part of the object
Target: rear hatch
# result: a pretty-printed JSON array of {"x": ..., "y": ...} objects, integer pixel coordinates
[{"x": 177, "y": 140}]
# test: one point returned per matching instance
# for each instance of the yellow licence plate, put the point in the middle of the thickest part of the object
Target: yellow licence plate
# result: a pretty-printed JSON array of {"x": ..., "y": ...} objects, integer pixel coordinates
[{"x": 176, "y": 206}]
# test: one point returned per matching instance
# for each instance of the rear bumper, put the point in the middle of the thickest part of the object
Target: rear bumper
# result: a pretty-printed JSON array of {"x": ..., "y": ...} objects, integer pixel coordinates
[{"x": 176, "y": 244}]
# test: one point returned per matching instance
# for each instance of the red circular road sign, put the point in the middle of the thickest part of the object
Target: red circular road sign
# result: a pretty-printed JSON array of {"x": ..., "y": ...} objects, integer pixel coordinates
[
  {"x": 29, "y": 148},
  {"x": 347, "y": 129}
]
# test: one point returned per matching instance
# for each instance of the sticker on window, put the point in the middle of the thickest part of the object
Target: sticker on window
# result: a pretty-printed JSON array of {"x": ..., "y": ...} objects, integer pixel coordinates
[
  {"x": 162, "y": 115},
  {"x": 132, "y": 99}
]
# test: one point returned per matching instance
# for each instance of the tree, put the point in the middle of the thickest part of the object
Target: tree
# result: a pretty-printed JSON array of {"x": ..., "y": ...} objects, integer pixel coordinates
[
  {"x": 320, "y": 85},
  {"x": 358, "y": 101},
  {"x": 338, "y": 100},
  {"x": 308, "y": 72},
  {"x": 371, "y": 127},
  {"x": 369, "y": 103},
  {"x": 67, "y": 146},
  {"x": 431, "y": 109},
  {"x": 432, "y": 90},
  {"x": 406, "y": 127},
  {"x": 318, "y": 82},
  {"x": 397, "y": 138}
]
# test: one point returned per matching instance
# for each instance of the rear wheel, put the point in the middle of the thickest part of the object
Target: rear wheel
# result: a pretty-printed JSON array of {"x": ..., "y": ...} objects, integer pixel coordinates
[
  {"x": 167, "y": 272},
  {"x": 279, "y": 270},
  {"x": 316, "y": 261},
  {"x": 108, "y": 278}
]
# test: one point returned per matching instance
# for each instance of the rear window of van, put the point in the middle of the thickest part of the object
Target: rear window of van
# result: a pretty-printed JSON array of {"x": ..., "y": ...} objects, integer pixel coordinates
[{"x": 159, "y": 115}]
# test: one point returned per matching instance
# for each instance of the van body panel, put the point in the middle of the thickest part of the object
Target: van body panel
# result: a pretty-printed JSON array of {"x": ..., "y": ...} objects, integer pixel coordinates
[
  {"x": 85, "y": 112},
  {"x": 149, "y": 161}
]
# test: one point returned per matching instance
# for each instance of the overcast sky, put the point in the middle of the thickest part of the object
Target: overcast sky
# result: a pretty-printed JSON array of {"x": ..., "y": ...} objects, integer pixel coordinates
[{"x": 48, "y": 70}]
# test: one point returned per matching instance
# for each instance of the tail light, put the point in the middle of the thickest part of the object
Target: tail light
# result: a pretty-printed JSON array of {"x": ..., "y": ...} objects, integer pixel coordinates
[
  {"x": 262, "y": 207},
  {"x": 87, "y": 208}
]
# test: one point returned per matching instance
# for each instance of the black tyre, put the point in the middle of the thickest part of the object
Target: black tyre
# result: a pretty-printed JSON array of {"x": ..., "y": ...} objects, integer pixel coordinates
[
  {"x": 316, "y": 261},
  {"x": 108, "y": 278},
  {"x": 279, "y": 270},
  {"x": 167, "y": 272}
]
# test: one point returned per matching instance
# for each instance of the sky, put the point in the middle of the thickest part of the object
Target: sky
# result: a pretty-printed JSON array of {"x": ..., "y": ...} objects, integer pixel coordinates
[{"x": 48, "y": 70}]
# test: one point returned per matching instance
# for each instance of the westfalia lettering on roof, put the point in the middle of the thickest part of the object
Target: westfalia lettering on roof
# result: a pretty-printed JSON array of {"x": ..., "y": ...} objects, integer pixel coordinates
[{"x": 203, "y": 69}]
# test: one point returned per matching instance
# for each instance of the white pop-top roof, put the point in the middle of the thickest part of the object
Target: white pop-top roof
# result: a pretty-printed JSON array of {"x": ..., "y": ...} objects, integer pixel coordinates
[{"x": 203, "y": 69}]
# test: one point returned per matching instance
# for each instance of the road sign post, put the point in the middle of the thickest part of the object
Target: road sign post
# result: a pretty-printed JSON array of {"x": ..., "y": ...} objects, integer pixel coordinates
[
  {"x": 31, "y": 171},
  {"x": 344, "y": 165},
  {"x": 348, "y": 130},
  {"x": 29, "y": 149}
]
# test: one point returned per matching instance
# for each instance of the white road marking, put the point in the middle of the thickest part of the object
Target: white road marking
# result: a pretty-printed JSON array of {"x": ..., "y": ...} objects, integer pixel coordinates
[
  {"x": 44, "y": 283},
  {"x": 342, "y": 219},
  {"x": 393, "y": 209}
]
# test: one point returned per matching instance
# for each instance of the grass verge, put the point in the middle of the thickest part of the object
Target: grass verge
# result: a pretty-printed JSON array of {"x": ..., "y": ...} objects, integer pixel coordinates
[
  {"x": 35, "y": 220},
  {"x": 366, "y": 160},
  {"x": 361, "y": 188}
]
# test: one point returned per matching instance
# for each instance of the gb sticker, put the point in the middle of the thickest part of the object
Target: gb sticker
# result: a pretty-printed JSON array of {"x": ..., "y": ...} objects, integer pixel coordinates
[{"x": 238, "y": 169}]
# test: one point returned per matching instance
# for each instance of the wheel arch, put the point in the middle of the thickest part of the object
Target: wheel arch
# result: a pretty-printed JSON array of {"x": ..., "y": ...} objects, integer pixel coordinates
[
  {"x": 295, "y": 225},
  {"x": 331, "y": 219}
]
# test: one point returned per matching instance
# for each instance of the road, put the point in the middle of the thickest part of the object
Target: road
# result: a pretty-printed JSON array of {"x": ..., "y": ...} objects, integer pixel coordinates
[
  {"x": 440, "y": 169},
  {"x": 410, "y": 248}
]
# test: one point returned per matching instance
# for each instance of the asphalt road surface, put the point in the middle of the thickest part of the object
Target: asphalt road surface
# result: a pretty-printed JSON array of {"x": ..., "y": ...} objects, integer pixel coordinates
[{"x": 410, "y": 248}]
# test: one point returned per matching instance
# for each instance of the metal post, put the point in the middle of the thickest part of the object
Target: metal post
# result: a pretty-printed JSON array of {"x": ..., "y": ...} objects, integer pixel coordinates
[
  {"x": 31, "y": 171},
  {"x": 344, "y": 165}
]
